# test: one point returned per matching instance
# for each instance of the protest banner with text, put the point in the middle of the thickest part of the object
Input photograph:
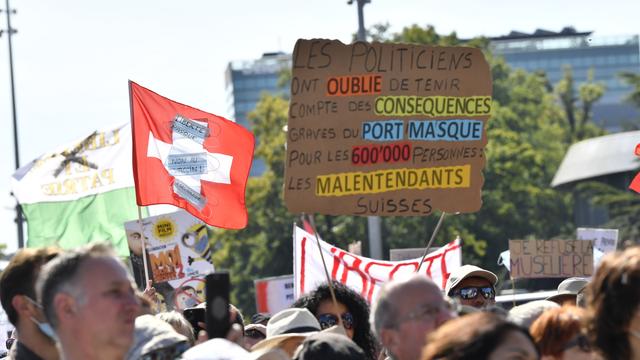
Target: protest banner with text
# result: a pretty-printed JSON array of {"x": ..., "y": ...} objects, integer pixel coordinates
[
  {"x": 178, "y": 256},
  {"x": 550, "y": 258},
  {"x": 362, "y": 274},
  {"x": 274, "y": 293},
  {"x": 386, "y": 129}
]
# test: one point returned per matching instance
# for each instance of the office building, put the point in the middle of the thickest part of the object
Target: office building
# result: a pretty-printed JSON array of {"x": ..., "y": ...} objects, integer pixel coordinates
[
  {"x": 246, "y": 81},
  {"x": 550, "y": 52}
]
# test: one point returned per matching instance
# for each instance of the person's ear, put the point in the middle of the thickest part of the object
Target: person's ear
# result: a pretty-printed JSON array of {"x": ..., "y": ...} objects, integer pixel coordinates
[
  {"x": 389, "y": 339},
  {"x": 65, "y": 307},
  {"x": 21, "y": 304}
]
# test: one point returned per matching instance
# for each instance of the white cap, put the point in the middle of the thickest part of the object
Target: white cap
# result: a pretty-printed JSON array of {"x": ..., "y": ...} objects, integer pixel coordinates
[
  {"x": 467, "y": 271},
  {"x": 288, "y": 323},
  {"x": 570, "y": 286}
]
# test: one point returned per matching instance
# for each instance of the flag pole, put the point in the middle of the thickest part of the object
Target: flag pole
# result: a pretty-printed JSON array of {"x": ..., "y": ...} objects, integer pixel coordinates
[
  {"x": 324, "y": 265},
  {"x": 433, "y": 236},
  {"x": 144, "y": 248}
]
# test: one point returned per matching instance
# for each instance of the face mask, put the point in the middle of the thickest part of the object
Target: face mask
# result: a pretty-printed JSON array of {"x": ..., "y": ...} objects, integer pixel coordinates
[{"x": 44, "y": 327}]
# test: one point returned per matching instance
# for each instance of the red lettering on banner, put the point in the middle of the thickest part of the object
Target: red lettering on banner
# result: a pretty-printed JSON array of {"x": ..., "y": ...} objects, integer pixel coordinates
[
  {"x": 397, "y": 267},
  {"x": 356, "y": 271},
  {"x": 367, "y": 268},
  {"x": 431, "y": 260},
  {"x": 443, "y": 268},
  {"x": 355, "y": 266}
]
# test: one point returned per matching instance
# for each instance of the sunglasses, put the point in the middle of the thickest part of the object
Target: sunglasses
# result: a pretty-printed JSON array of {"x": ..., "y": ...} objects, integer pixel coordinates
[
  {"x": 254, "y": 334},
  {"x": 471, "y": 292},
  {"x": 329, "y": 320}
]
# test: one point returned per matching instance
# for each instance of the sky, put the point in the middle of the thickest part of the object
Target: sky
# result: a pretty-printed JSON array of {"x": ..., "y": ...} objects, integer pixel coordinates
[{"x": 72, "y": 58}]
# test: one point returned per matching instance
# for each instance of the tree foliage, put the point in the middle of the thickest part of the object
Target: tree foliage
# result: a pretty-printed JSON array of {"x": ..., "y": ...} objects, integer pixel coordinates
[
  {"x": 578, "y": 104},
  {"x": 632, "y": 79}
]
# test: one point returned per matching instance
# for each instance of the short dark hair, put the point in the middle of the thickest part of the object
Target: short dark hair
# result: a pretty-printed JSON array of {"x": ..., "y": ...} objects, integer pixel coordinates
[
  {"x": 19, "y": 277},
  {"x": 61, "y": 275}
]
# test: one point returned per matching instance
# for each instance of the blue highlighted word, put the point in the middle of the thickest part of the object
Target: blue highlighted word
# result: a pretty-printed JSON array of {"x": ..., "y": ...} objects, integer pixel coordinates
[
  {"x": 445, "y": 130},
  {"x": 387, "y": 130}
]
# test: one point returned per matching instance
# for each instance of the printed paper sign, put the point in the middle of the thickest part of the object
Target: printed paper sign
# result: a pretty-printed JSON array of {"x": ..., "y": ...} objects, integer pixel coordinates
[
  {"x": 550, "y": 258},
  {"x": 604, "y": 241},
  {"x": 362, "y": 274},
  {"x": 386, "y": 129},
  {"x": 178, "y": 256},
  {"x": 274, "y": 294}
]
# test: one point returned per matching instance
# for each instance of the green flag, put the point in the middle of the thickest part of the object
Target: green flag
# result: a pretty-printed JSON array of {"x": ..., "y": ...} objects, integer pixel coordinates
[{"x": 80, "y": 193}]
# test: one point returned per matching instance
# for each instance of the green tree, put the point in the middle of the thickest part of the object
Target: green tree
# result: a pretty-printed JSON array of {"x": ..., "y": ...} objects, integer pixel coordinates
[
  {"x": 578, "y": 104},
  {"x": 263, "y": 248},
  {"x": 632, "y": 79}
]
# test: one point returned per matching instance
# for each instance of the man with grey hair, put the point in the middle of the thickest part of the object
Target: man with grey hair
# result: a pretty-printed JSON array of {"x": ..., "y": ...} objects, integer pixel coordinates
[
  {"x": 405, "y": 312},
  {"x": 88, "y": 297}
]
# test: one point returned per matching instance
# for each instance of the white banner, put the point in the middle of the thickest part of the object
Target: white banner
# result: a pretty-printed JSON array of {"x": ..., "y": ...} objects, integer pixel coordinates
[
  {"x": 274, "y": 294},
  {"x": 95, "y": 164},
  {"x": 362, "y": 274}
]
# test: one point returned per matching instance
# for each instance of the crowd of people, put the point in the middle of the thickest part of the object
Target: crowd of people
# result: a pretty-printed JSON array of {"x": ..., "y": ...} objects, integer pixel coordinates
[{"x": 83, "y": 304}]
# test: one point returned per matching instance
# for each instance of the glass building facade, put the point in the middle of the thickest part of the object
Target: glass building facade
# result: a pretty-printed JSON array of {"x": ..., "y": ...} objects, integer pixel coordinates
[
  {"x": 551, "y": 52},
  {"x": 246, "y": 81}
]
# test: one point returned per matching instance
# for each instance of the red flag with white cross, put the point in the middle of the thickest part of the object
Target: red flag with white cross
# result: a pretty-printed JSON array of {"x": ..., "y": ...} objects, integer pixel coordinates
[{"x": 189, "y": 158}]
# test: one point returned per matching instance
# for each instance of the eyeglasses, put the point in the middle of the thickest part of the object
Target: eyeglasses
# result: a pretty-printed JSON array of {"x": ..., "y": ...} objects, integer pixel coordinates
[
  {"x": 428, "y": 311},
  {"x": 471, "y": 292},
  {"x": 168, "y": 353},
  {"x": 329, "y": 320}
]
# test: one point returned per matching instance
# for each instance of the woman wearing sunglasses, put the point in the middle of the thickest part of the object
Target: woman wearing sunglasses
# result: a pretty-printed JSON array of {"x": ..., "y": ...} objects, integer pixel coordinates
[{"x": 352, "y": 308}]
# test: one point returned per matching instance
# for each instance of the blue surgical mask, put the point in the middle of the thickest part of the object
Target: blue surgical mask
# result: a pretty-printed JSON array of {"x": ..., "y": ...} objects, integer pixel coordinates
[{"x": 44, "y": 327}]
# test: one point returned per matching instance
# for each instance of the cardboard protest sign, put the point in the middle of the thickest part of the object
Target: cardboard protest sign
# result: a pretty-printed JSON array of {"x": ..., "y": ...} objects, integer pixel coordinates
[
  {"x": 178, "y": 256},
  {"x": 550, "y": 258},
  {"x": 362, "y": 274},
  {"x": 386, "y": 129},
  {"x": 274, "y": 293}
]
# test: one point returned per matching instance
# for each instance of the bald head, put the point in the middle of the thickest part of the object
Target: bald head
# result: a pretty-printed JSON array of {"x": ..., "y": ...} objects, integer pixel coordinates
[{"x": 391, "y": 295}]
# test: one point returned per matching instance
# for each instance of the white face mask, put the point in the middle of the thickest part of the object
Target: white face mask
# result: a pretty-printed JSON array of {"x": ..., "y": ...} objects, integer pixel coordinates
[{"x": 44, "y": 327}]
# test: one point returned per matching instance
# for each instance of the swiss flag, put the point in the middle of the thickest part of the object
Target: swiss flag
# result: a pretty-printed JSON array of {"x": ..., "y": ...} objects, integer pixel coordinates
[{"x": 189, "y": 158}]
